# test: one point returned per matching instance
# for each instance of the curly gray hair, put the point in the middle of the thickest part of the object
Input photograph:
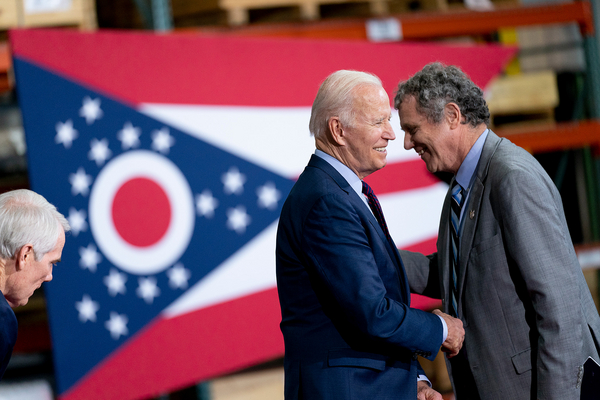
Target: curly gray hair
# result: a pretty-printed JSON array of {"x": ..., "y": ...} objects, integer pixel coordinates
[{"x": 437, "y": 85}]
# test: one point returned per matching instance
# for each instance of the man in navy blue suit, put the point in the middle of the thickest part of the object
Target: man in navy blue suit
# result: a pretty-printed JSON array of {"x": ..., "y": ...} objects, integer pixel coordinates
[{"x": 347, "y": 324}]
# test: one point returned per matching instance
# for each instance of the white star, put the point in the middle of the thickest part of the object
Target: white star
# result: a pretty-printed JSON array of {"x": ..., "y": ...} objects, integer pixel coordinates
[
  {"x": 268, "y": 196},
  {"x": 65, "y": 133},
  {"x": 90, "y": 110},
  {"x": 162, "y": 141},
  {"x": 233, "y": 181},
  {"x": 90, "y": 258},
  {"x": 206, "y": 204},
  {"x": 115, "y": 281},
  {"x": 129, "y": 136},
  {"x": 80, "y": 182},
  {"x": 178, "y": 276},
  {"x": 87, "y": 308},
  {"x": 99, "y": 151},
  {"x": 237, "y": 219},
  {"x": 147, "y": 289},
  {"x": 117, "y": 325},
  {"x": 77, "y": 221}
]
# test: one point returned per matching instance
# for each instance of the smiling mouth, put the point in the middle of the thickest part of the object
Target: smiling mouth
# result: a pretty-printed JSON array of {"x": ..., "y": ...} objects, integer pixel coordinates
[
  {"x": 421, "y": 152},
  {"x": 380, "y": 149}
]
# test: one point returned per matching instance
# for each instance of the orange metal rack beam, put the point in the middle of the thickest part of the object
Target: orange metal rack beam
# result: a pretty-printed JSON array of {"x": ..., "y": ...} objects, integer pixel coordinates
[
  {"x": 430, "y": 25},
  {"x": 562, "y": 136}
]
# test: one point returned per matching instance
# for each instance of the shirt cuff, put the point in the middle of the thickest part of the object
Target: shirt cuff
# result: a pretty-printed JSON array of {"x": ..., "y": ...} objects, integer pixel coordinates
[
  {"x": 445, "y": 335},
  {"x": 423, "y": 378}
]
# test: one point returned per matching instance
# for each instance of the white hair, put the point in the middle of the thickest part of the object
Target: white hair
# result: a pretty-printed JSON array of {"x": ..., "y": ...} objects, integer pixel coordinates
[
  {"x": 27, "y": 217},
  {"x": 334, "y": 99}
]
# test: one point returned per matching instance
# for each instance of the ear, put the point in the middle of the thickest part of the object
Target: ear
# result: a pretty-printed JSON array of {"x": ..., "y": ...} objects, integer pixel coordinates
[
  {"x": 453, "y": 115},
  {"x": 336, "y": 130},
  {"x": 24, "y": 256}
]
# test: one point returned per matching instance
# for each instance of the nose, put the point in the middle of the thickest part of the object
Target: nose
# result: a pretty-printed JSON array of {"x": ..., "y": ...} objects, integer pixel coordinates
[
  {"x": 389, "y": 133},
  {"x": 408, "y": 144}
]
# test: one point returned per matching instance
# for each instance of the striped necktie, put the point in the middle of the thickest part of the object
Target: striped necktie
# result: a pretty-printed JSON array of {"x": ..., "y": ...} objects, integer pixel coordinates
[
  {"x": 456, "y": 203},
  {"x": 376, "y": 208}
]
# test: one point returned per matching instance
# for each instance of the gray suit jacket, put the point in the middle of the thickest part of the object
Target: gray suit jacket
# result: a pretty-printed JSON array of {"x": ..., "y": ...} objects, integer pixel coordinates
[{"x": 530, "y": 321}]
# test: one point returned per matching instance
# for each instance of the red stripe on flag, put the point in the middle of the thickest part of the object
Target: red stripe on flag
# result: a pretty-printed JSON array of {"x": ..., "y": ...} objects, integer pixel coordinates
[
  {"x": 187, "y": 69},
  {"x": 182, "y": 351},
  {"x": 425, "y": 247},
  {"x": 405, "y": 175}
]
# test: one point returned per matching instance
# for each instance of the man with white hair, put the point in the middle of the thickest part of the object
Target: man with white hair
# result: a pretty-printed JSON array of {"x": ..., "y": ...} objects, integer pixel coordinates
[
  {"x": 347, "y": 324},
  {"x": 32, "y": 236}
]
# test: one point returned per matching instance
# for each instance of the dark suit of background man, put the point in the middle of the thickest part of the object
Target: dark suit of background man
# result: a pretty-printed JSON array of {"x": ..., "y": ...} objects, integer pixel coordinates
[
  {"x": 530, "y": 321},
  {"x": 348, "y": 329},
  {"x": 32, "y": 236}
]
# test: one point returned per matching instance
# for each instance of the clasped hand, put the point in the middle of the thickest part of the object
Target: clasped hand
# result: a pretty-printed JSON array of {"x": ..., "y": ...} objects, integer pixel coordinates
[{"x": 456, "y": 334}]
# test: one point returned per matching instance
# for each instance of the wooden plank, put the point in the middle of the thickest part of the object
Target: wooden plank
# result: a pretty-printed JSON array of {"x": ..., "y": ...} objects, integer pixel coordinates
[
  {"x": 8, "y": 14},
  {"x": 82, "y": 13},
  {"x": 238, "y": 10},
  {"x": 523, "y": 93},
  {"x": 256, "y": 385}
]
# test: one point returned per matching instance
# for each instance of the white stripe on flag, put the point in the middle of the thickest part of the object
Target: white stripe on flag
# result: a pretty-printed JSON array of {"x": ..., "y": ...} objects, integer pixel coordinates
[
  {"x": 276, "y": 138},
  {"x": 413, "y": 216}
]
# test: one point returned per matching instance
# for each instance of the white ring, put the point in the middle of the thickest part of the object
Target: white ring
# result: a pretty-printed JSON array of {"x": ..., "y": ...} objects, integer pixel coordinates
[{"x": 158, "y": 257}]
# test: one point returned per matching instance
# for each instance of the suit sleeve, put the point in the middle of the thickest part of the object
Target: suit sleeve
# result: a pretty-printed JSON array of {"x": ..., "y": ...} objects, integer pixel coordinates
[
  {"x": 422, "y": 272},
  {"x": 345, "y": 272},
  {"x": 536, "y": 241}
]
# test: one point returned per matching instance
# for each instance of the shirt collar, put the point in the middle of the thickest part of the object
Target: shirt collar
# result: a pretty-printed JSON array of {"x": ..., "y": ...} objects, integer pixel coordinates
[
  {"x": 350, "y": 177},
  {"x": 465, "y": 173}
]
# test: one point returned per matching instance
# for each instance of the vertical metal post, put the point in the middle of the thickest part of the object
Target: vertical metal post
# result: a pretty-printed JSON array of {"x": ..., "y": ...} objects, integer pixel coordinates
[
  {"x": 161, "y": 15},
  {"x": 203, "y": 391}
]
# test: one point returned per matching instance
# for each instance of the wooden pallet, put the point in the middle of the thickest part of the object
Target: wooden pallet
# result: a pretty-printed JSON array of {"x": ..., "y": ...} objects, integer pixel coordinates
[
  {"x": 523, "y": 99},
  {"x": 256, "y": 385},
  {"x": 20, "y": 14},
  {"x": 238, "y": 10}
]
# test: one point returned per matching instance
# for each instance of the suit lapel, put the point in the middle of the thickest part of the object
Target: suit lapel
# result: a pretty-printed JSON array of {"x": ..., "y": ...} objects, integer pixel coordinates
[
  {"x": 471, "y": 213},
  {"x": 318, "y": 162},
  {"x": 392, "y": 250},
  {"x": 443, "y": 246}
]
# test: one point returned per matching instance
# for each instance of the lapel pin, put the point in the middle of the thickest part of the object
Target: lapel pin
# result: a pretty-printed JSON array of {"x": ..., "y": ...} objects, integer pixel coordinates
[{"x": 472, "y": 214}]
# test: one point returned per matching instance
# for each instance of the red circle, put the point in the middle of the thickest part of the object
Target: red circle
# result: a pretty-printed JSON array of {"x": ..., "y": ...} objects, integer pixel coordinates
[{"x": 141, "y": 212}]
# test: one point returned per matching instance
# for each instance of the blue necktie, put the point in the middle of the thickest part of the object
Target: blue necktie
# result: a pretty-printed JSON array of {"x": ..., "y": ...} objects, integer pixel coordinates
[
  {"x": 376, "y": 208},
  {"x": 455, "y": 207}
]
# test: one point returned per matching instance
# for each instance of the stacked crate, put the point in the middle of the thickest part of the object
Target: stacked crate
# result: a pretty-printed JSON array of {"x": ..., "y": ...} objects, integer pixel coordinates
[
  {"x": 38, "y": 13},
  {"x": 525, "y": 98}
]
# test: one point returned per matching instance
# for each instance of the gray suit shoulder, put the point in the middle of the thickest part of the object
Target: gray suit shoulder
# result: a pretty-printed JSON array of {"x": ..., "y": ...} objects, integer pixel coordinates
[{"x": 510, "y": 161}]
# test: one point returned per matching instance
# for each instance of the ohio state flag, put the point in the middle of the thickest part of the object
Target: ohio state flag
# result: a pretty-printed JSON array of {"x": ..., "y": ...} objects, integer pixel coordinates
[{"x": 171, "y": 156}]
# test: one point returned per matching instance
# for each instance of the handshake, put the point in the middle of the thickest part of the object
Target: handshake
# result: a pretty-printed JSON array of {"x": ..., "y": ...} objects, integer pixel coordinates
[{"x": 456, "y": 334}]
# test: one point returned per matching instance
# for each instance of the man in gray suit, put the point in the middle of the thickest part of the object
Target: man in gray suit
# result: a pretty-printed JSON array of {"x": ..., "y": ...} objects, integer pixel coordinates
[{"x": 505, "y": 263}]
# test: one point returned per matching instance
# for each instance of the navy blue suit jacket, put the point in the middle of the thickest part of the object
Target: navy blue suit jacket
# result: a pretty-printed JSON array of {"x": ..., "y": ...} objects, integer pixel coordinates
[
  {"x": 8, "y": 333},
  {"x": 347, "y": 324}
]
